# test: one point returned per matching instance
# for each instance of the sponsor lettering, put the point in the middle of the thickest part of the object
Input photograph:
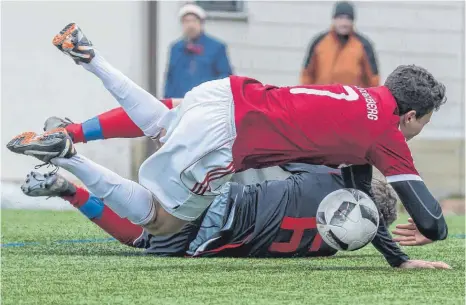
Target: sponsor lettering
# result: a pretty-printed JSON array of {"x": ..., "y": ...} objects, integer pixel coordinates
[{"x": 371, "y": 105}]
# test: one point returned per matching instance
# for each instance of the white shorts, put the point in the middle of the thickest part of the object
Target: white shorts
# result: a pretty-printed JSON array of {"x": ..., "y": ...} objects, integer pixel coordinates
[{"x": 196, "y": 159}]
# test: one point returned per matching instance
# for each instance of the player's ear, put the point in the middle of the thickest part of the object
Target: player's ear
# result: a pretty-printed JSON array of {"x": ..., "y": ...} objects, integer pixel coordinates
[{"x": 409, "y": 116}]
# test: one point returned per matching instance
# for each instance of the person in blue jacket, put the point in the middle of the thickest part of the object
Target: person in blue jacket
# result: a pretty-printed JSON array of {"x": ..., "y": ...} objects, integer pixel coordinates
[{"x": 196, "y": 58}]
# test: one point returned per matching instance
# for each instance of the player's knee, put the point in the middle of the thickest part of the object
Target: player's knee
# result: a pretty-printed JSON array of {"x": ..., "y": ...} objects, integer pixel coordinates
[{"x": 132, "y": 201}]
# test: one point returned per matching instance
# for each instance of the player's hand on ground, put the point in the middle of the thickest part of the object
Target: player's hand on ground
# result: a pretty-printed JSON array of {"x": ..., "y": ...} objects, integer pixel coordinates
[
  {"x": 409, "y": 235},
  {"x": 420, "y": 264}
]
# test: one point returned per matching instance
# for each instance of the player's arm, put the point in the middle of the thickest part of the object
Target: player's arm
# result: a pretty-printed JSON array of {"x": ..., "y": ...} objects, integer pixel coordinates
[
  {"x": 421, "y": 206},
  {"x": 393, "y": 158},
  {"x": 111, "y": 124},
  {"x": 360, "y": 177}
]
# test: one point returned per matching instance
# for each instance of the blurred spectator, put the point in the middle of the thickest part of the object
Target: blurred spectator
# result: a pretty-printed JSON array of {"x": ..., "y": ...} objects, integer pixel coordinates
[
  {"x": 197, "y": 57},
  {"x": 341, "y": 55}
]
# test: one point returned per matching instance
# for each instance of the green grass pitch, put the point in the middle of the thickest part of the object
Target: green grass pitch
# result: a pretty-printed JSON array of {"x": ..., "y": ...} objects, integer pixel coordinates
[{"x": 110, "y": 273}]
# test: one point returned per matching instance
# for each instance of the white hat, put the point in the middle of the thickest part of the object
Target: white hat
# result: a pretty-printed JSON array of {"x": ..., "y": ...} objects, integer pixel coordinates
[{"x": 192, "y": 9}]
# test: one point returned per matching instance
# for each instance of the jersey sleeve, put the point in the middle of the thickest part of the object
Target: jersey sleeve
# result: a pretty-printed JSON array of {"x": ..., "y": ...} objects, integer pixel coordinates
[
  {"x": 391, "y": 155},
  {"x": 384, "y": 243},
  {"x": 423, "y": 208}
]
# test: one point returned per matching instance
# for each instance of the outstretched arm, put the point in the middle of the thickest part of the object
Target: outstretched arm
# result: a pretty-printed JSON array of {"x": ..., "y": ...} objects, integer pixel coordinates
[
  {"x": 391, "y": 155},
  {"x": 409, "y": 235},
  {"x": 422, "y": 207}
]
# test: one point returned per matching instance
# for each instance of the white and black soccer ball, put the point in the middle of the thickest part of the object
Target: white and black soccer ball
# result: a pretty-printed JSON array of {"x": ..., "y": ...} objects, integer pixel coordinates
[{"x": 347, "y": 219}]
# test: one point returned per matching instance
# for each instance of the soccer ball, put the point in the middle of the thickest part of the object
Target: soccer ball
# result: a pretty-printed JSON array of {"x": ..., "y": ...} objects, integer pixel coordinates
[{"x": 347, "y": 219}]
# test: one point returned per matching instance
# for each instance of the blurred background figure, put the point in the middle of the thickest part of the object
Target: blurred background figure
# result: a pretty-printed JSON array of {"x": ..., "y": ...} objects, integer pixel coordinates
[
  {"x": 341, "y": 55},
  {"x": 196, "y": 57}
]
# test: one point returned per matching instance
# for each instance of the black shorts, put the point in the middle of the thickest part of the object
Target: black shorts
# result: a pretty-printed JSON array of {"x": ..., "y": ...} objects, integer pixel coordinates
[{"x": 250, "y": 223}]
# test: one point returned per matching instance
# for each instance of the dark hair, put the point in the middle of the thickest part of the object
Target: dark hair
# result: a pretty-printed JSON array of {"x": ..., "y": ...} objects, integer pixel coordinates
[
  {"x": 415, "y": 88},
  {"x": 385, "y": 199}
]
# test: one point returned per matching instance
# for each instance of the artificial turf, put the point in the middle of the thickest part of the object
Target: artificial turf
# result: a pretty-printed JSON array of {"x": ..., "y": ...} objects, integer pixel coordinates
[{"x": 61, "y": 258}]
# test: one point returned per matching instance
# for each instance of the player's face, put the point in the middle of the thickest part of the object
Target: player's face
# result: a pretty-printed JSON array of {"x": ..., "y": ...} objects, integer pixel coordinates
[
  {"x": 343, "y": 25},
  {"x": 192, "y": 26},
  {"x": 411, "y": 126}
]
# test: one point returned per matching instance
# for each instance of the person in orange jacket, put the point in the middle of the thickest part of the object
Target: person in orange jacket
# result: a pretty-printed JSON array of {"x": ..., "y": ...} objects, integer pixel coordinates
[{"x": 341, "y": 55}]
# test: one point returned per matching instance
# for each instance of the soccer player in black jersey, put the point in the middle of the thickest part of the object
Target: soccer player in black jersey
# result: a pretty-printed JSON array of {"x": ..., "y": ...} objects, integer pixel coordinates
[{"x": 269, "y": 219}]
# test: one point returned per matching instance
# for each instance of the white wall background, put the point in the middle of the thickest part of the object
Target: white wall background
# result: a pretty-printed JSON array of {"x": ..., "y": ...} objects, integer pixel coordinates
[
  {"x": 272, "y": 43},
  {"x": 38, "y": 81}
]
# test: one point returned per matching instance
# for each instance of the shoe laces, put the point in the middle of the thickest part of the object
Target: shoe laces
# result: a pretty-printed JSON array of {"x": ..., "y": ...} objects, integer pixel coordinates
[
  {"x": 52, "y": 172},
  {"x": 67, "y": 120},
  {"x": 48, "y": 164}
]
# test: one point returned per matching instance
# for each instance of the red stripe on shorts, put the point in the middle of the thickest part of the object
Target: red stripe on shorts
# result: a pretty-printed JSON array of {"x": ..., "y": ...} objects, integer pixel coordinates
[
  {"x": 210, "y": 176},
  {"x": 207, "y": 187}
]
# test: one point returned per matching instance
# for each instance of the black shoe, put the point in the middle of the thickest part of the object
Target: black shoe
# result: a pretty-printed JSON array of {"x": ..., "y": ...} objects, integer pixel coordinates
[
  {"x": 72, "y": 41},
  {"x": 50, "y": 185},
  {"x": 52, "y": 144}
]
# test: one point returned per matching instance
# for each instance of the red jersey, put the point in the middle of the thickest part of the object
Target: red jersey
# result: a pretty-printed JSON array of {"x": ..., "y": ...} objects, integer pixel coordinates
[{"x": 331, "y": 125}]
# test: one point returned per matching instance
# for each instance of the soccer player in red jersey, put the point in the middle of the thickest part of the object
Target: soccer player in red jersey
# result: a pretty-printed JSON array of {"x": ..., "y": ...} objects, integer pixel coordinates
[{"x": 233, "y": 124}]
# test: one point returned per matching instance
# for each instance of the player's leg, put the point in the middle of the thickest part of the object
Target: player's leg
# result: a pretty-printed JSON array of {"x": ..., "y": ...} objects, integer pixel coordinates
[
  {"x": 143, "y": 108},
  {"x": 196, "y": 160},
  {"x": 187, "y": 172},
  {"x": 54, "y": 185},
  {"x": 126, "y": 198},
  {"x": 111, "y": 124}
]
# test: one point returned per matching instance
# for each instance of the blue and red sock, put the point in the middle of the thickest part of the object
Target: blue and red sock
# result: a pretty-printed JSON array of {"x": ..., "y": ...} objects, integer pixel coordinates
[
  {"x": 93, "y": 208},
  {"x": 111, "y": 124}
]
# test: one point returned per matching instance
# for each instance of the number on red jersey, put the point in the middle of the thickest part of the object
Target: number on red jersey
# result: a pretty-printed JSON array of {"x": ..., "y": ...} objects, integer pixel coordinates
[{"x": 350, "y": 95}]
